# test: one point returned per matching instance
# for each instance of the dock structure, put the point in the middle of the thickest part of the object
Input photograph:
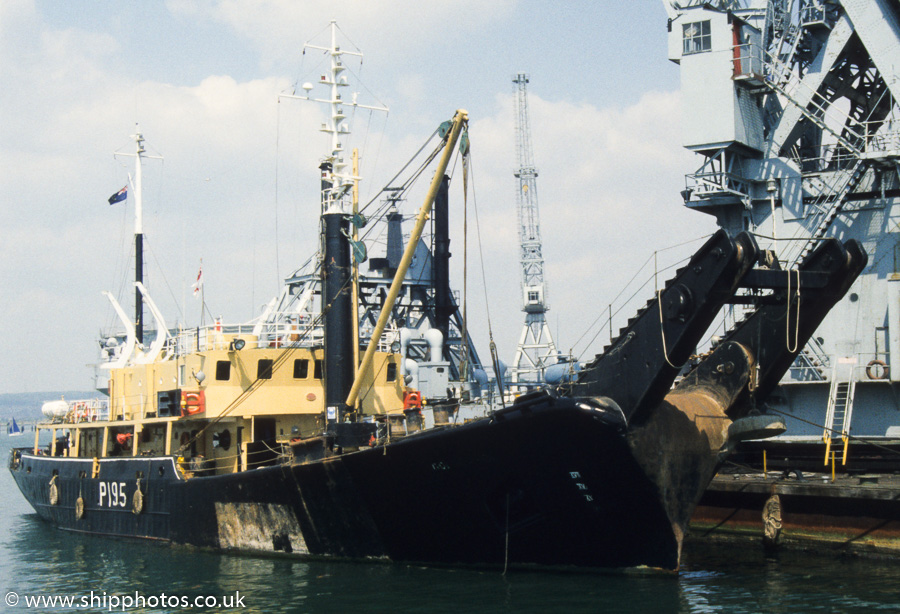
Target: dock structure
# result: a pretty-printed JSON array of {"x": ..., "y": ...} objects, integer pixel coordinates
[{"x": 791, "y": 107}]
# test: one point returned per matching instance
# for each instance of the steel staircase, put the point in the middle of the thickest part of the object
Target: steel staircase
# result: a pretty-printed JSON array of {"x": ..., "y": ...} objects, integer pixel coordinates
[
  {"x": 782, "y": 79},
  {"x": 825, "y": 208},
  {"x": 812, "y": 362}
]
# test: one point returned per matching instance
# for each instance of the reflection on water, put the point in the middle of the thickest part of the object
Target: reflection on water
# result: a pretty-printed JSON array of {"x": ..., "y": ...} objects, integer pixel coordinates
[
  {"x": 746, "y": 580},
  {"x": 38, "y": 560}
]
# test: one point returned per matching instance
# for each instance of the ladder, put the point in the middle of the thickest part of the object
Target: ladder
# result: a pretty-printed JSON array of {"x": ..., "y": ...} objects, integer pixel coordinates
[
  {"x": 825, "y": 207},
  {"x": 815, "y": 107},
  {"x": 840, "y": 405},
  {"x": 811, "y": 364}
]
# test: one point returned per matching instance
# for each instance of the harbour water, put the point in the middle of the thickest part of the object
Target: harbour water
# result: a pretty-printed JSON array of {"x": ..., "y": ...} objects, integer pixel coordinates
[{"x": 39, "y": 564}]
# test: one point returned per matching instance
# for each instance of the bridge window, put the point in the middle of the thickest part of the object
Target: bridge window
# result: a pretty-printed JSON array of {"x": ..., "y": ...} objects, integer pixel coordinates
[
  {"x": 392, "y": 372},
  {"x": 301, "y": 368},
  {"x": 317, "y": 370},
  {"x": 223, "y": 370},
  {"x": 264, "y": 369},
  {"x": 697, "y": 37}
]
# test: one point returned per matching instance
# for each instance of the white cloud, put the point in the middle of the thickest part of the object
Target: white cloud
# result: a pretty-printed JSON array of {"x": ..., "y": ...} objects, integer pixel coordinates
[
  {"x": 272, "y": 26},
  {"x": 608, "y": 184}
]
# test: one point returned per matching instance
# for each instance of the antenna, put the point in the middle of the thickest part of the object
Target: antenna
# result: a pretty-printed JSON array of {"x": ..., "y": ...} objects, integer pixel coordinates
[{"x": 338, "y": 177}]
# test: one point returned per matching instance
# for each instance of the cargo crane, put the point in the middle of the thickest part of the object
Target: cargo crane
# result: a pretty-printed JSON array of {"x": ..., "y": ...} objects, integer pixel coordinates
[
  {"x": 536, "y": 350},
  {"x": 799, "y": 136}
]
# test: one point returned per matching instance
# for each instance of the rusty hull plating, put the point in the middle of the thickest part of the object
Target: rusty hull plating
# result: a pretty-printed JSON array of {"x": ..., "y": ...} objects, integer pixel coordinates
[{"x": 683, "y": 442}]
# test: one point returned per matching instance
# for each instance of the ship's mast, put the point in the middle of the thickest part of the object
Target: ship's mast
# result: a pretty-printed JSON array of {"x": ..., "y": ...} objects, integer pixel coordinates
[
  {"x": 415, "y": 307},
  {"x": 336, "y": 186},
  {"x": 137, "y": 187},
  {"x": 536, "y": 350},
  {"x": 138, "y": 237},
  {"x": 341, "y": 182}
]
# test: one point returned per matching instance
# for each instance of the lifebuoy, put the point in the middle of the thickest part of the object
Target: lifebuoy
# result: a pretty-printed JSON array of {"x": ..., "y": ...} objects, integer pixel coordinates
[
  {"x": 876, "y": 369},
  {"x": 412, "y": 399},
  {"x": 192, "y": 402}
]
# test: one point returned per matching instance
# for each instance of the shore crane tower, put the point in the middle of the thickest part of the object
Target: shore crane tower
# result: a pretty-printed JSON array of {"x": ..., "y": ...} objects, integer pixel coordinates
[
  {"x": 794, "y": 109},
  {"x": 536, "y": 350}
]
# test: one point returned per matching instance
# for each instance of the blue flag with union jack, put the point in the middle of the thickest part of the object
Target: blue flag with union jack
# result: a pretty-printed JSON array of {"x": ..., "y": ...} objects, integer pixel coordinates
[{"x": 119, "y": 196}]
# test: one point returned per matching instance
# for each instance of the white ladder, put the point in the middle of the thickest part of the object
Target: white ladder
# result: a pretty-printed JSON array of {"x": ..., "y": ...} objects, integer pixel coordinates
[{"x": 840, "y": 404}]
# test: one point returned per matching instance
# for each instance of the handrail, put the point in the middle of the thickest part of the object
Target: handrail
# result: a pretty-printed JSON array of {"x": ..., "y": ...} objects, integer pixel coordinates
[{"x": 860, "y": 368}]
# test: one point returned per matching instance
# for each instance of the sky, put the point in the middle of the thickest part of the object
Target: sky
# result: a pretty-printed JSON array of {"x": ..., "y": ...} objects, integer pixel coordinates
[{"x": 237, "y": 183}]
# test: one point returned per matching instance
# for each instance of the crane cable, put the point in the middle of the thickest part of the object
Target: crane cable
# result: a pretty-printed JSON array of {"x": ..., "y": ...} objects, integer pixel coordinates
[{"x": 495, "y": 360}]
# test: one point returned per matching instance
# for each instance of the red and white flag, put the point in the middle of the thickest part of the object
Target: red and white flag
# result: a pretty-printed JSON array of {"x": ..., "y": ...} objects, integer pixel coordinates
[{"x": 198, "y": 285}]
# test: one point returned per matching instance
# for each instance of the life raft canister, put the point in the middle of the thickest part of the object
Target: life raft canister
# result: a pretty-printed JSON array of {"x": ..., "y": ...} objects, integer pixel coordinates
[
  {"x": 412, "y": 399},
  {"x": 192, "y": 402}
]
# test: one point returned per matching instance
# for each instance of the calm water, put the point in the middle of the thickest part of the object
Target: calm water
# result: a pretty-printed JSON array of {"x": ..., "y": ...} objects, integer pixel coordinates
[{"x": 36, "y": 560}]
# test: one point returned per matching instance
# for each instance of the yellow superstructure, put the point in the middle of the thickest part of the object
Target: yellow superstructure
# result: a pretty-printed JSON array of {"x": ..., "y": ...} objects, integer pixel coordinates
[{"x": 222, "y": 409}]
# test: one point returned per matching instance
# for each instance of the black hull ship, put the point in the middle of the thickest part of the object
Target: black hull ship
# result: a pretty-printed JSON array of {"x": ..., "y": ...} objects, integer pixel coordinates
[
  {"x": 555, "y": 479},
  {"x": 548, "y": 481},
  {"x": 327, "y": 460}
]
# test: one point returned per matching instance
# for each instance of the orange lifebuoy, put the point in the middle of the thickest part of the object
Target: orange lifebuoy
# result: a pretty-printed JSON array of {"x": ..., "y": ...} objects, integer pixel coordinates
[
  {"x": 412, "y": 399},
  {"x": 876, "y": 369},
  {"x": 192, "y": 402}
]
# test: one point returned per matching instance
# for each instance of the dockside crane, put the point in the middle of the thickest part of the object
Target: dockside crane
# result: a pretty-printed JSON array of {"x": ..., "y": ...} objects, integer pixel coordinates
[{"x": 536, "y": 350}]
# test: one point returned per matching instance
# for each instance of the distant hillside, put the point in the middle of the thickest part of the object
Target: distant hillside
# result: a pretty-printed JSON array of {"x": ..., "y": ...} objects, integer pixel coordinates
[{"x": 26, "y": 406}]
